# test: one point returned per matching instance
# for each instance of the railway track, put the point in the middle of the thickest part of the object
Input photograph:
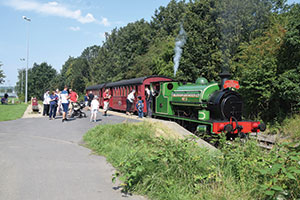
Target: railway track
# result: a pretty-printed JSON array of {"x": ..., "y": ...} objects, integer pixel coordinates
[{"x": 264, "y": 141}]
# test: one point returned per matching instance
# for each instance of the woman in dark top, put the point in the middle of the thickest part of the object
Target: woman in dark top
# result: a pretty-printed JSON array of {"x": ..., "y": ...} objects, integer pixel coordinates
[{"x": 53, "y": 105}]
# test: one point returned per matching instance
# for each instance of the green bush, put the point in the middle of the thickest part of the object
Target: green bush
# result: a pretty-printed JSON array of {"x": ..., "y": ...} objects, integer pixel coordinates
[{"x": 280, "y": 177}]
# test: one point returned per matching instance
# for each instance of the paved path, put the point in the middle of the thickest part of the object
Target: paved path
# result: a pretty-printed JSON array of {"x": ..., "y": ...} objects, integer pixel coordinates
[{"x": 42, "y": 159}]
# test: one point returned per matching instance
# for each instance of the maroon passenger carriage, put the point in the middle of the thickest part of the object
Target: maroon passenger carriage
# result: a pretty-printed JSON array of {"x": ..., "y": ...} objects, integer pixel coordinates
[
  {"x": 119, "y": 91},
  {"x": 96, "y": 90}
]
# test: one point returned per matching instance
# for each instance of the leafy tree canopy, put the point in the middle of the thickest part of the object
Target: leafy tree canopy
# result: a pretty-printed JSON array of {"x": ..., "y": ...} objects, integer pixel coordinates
[
  {"x": 39, "y": 77},
  {"x": 2, "y": 76}
]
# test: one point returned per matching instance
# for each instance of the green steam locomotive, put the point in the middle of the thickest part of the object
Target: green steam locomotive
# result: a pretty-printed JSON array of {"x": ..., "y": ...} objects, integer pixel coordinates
[{"x": 204, "y": 107}]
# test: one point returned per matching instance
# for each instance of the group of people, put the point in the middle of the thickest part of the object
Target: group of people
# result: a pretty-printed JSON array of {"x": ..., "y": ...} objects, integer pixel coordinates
[
  {"x": 62, "y": 102},
  {"x": 140, "y": 103},
  {"x": 59, "y": 102},
  {"x": 93, "y": 102}
]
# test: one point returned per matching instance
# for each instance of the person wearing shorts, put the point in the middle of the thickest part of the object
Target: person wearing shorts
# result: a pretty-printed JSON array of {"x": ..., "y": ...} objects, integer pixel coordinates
[
  {"x": 90, "y": 99},
  {"x": 94, "y": 109},
  {"x": 106, "y": 98},
  {"x": 65, "y": 103},
  {"x": 73, "y": 96}
]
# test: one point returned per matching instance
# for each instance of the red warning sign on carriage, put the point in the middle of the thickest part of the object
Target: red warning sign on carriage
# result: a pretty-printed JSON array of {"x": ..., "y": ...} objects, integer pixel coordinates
[{"x": 231, "y": 84}]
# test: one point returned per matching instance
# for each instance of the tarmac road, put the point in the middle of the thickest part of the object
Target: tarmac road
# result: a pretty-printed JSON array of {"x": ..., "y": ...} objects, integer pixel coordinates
[{"x": 42, "y": 159}]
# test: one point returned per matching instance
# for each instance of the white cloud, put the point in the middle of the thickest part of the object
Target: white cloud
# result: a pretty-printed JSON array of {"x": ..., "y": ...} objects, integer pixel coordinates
[
  {"x": 72, "y": 28},
  {"x": 55, "y": 9},
  {"x": 104, "y": 21}
]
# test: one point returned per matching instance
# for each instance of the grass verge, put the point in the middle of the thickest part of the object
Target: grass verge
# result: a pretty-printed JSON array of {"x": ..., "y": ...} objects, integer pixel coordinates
[
  {"x": 12, "y": 111},
  {"x": 179, "y": 169}
]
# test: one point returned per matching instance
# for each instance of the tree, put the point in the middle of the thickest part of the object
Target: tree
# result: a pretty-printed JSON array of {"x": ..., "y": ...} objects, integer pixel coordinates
[
  {"x": 2, "y": 76},
  {"x": 158, "y": 60},
  {"x": 166, "y": 20},
  {"x": 200, "y": 56},
  {"x": 256, "y": 67},
  {"x": 121, "y": 48},
  {"x": 90, "y": 53},
  {"x": 76, "y": 73},
  {"x": 242, "y": 21},
  {"x": 20, "y": 85},
  {"x": 287, "y": 85},
  {"x": 39, "y": 79}
]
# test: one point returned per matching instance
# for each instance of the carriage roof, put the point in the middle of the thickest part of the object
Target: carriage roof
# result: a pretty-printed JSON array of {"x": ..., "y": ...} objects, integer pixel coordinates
[
  {"x": 134, "y": 81},
  {"x": 95, "y": 87}
]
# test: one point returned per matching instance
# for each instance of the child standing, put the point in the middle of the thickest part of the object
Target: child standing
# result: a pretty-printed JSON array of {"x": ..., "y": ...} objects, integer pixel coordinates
[
  {"x": 94, "y": 109},
  {"x": 140, "y": 107}
]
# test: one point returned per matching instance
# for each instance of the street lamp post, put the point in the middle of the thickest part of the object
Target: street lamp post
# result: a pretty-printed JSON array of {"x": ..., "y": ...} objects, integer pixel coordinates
[
  {"x": 22, "y": 76},
  {"x": 26, "y": 73}
]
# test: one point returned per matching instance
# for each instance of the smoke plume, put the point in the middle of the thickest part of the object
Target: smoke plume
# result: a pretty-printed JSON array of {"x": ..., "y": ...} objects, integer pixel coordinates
[{"x": 180, "y": 41}]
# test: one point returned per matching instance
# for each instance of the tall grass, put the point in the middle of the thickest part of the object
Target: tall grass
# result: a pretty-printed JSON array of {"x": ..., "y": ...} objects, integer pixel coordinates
[
  {"x": 291, "y": 127},
  {"x": 179, "y": 169},
  {"x": 12, "y": 111}
]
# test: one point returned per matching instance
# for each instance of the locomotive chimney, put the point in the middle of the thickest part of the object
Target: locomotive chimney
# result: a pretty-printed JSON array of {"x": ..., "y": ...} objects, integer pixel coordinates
[{"x": 224, "y": 77}]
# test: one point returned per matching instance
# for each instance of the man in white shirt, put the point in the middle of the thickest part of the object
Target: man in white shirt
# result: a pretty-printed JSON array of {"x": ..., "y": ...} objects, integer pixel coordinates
[
  {"x": 65, "y": 102},
  {"x": 129, "y": 102},
  {"x": 46, "y": 103}
]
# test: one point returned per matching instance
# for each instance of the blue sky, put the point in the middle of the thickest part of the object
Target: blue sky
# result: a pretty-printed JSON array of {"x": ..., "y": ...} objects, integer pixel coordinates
[{"x": 62, "y": 28}]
